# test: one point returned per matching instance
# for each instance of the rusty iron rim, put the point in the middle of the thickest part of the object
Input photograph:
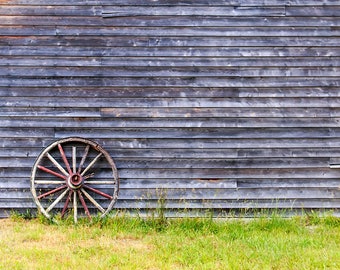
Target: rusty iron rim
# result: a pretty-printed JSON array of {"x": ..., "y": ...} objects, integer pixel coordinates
[{"x": 68, "y": 179}]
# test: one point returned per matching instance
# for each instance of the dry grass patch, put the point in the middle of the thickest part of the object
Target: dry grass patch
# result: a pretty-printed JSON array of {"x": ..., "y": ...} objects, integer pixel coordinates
[
  {"x": 32, "y": 245},
  {"x": 133, "y": 243}
]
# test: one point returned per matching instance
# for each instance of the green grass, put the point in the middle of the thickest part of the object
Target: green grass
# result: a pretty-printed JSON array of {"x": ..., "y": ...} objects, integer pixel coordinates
[{"x": 305, "y": 242}]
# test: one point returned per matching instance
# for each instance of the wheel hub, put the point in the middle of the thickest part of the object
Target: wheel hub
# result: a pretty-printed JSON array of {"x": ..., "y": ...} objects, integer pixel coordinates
[{"x": 75, "y": 181}]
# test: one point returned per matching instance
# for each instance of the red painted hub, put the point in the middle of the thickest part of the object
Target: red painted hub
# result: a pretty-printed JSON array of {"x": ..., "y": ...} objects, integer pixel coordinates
[{"x": 75, "y": 180}]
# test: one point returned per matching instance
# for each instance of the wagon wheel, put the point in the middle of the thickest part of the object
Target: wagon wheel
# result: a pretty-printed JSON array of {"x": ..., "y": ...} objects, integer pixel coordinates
[{"x": 74, "y": 175}]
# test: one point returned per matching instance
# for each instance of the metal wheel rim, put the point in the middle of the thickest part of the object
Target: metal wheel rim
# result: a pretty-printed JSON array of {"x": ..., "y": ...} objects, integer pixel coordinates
[{"x": 75, "y": 185}]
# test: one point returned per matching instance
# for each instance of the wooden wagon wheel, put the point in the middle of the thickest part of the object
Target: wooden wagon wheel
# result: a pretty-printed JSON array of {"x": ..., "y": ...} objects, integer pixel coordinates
[{"x": 74, "y": 175}]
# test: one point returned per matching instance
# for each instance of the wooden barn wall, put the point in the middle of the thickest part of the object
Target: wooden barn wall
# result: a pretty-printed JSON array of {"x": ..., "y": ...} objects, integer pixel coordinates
[{"x": 218, "y": 104}]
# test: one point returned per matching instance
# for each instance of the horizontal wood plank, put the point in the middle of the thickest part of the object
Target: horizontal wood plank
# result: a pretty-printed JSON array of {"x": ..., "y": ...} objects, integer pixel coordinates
[
  {"x": 170, "y": 31},
  {"x": 211, "y": 72},
  {"x": 111, "y": 105},
  {"x": 161, "y": 21},
  {"x": 176, "y": 3},
  {"x": 160, "y": 52},
  {"x": 79, "y": 122},
  {"x": 168, "y": 62},
  {"x": 48, "y": 10},
  {"x": 270, "y": 194},
  {"x": 173, "y": 82},
  {"x": 222, "y": 3},
  {"x": 176, "y": 41},
  {"x": 133, "y": 11},
  {"x": 173, "y": 92}
]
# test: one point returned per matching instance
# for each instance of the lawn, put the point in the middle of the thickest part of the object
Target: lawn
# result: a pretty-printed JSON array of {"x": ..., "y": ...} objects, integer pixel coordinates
[{"x": 307, "y": 242}]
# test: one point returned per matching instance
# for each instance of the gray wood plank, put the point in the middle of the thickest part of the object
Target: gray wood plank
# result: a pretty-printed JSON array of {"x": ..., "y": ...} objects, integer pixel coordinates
[
  {"x": 210, "y": 194},
  {"x": 231, "y": 208},
  {"x": 14, "y": 159},
  {"x": 251, "y": 194},
  {"x": 50, "y": 2},
  {"x": 51, "y": 21},
  {"x": 222, "y": 3},
  {"x": 189, "y": 153},
  {"x": 163, "y": 184},
  {"x": 33, "y": 112},
  {"x": 218, "y": 21},
  {"x": 49, "y": 10},
  {"x": 25, "y": 132},
  {"x": 97, "y": 123},
  {"x": 226, "y": 163},
  {"x": 250, "y": 112},
  {"x": 112, "y": 105},
  {"x": 173, "y": 82},
  {"x": 162, "y": 21},
  {"x": 170, "y": 62},
  {"x": 281, "y": 152},
  {"x": 65, "y": 51},
  {"x": 190, "y": 133},
  {"x": 197, "y": 149},
  {"x": 221, "y": 143},
  {"x": 169, "y": 72},
  {"x": 167, "y": 31},
  {"x": 174, "y": 92},
  {"x": 134, "y": 41},
  {"x": 315, "y": 11},
  {"x": 231, "y": 194},
  {"x": 179, "y": 2},
  {"x": 213, "y": 174},
  {"x": 132, "y": 11}
]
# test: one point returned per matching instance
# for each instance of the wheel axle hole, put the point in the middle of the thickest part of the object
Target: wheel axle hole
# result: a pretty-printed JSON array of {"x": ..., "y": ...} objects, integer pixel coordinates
[{"x": 76, "y": 179}]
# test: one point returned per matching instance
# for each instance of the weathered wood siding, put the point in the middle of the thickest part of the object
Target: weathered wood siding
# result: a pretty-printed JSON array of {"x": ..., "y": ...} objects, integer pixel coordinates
[{"x": 217, "y": 104}]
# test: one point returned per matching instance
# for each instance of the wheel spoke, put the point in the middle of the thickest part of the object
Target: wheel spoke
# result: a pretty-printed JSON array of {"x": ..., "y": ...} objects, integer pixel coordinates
[
  {"x": 56, "y": 163},
  {"x": 92, "y": 200},
  {"x": 84, "y": 204},
  {"x": 66, "y": 203},
  {"x": 51, "y": 192},
  {"x": 74, "y": 159},
  {"x": 62, "y": 195},
  {"x": 51, "y": 172},
  {"x": 75, "y": 207},
  {"x": 98, "y": 192},
  {"x": 83, "y": 158},
  {"x": 62, "y": 153},
  {"x": 88, "y": 176},
  {"x": 91, "y": 164}
]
